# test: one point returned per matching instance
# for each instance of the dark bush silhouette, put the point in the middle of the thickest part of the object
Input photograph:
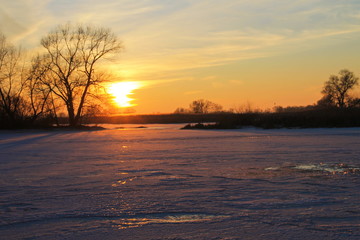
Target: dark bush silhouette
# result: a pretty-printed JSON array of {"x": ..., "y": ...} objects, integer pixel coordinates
[{"x": 316, "y": 118}]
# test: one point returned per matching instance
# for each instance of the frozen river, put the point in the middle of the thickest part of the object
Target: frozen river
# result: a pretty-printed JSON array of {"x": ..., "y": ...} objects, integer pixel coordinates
[{"x": 160, "y": 182}]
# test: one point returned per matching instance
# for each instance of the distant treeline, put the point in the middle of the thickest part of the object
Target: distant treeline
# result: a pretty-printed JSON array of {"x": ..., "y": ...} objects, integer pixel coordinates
[
  {"x": 160, "y": 118},
  {"x": 309, "y": 118},
  {"x": 324, "y": 118},
  {"x": 283, "y": 118}
]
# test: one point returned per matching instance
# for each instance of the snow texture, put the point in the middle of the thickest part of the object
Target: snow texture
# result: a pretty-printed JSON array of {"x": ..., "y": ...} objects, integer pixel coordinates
[{"x": 160, "y": 182}]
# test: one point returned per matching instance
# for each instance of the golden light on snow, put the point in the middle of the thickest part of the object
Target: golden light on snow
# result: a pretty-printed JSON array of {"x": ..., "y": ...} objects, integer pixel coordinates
[{"x": 121, "y": 91}]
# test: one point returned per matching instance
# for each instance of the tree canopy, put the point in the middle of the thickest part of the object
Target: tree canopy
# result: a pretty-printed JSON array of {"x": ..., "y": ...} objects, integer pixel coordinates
[
  {"x": 72, "y": 56},
  {"x": 336, "y": 89},
  {"x": 63, "y": 77}
]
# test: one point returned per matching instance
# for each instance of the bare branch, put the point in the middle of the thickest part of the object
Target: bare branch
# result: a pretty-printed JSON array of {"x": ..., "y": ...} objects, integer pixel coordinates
[{"x": 74, "y": 53}]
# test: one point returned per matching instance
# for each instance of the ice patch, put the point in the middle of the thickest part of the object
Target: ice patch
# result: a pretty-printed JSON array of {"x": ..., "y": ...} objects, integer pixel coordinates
[
  {"x": 271, "y": 168},
  {"x": 330, "y": 168},
  {"x": 124, "y": 181},
  {"x": 176, "y": 218},
  {"x": 339, "y": 168}
]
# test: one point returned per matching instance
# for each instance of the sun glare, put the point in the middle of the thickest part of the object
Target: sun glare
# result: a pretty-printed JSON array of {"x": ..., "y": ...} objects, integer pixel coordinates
[{"x": 121, "y": 91}]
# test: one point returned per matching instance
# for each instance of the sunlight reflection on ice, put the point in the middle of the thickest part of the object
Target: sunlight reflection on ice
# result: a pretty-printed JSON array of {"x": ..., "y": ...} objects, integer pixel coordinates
[
  {"x": 339, "y": 168},
  {"x": 123, "y": 181},
  {"x": 166, "y": 219},
  {"x": 330, "y": 168}
]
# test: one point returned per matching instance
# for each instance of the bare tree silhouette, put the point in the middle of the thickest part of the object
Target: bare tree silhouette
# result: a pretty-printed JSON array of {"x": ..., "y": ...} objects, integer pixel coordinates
[
  {"x": 12, "y": 81},
  {"x": 73, "y": 54},
  {"x": 23, "y": 98},
  {"x": 204, "y": 106},
  {"x": 336, "y": 89},
  {"x": 39, "y": 95}
]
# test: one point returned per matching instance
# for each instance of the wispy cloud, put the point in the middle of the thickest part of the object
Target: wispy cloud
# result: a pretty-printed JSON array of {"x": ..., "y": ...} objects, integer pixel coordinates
[
  {"x": 165, "y": 37},
  {"x": 207, "y": 33},
  {"x": 23, "y": 20}
]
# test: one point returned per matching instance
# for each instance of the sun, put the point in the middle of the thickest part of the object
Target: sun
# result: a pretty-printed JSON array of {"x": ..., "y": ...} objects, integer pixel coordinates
[{"x": 121, "y": 91}]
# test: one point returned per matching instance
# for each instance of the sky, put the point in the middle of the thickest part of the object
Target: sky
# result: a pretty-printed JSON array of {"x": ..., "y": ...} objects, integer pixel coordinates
[{"x": 231, "y": 52}]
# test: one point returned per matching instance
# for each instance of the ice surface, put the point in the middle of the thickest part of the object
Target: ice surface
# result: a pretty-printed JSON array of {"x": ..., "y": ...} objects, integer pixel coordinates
[{"x": 160, "y": 182}]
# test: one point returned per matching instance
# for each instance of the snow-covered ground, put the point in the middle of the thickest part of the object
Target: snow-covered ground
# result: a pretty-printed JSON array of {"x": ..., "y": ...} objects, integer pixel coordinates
[{"x": 160, "y": 182}]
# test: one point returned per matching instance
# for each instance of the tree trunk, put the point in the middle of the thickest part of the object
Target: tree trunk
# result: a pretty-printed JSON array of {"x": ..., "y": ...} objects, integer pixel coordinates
[{"x": 72, "y": 119}]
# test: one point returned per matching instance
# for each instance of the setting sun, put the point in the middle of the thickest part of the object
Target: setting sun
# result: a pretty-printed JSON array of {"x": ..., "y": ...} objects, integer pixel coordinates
[{"x": 121, "y": 91}]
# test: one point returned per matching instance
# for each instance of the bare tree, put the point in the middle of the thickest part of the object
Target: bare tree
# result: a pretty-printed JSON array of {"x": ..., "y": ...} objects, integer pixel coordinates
[
  {"x": 204, "y": 106},
  {"x": 181, "y": 110},
  {"x": 12, "y": 82},
  {"x": 247, "y": 107},
  {"x": 23, "y": 97},
  {"x": 337, "y": 88},
  {"x": 39, "y": 94},
  {"x": 73, "y": 53}
]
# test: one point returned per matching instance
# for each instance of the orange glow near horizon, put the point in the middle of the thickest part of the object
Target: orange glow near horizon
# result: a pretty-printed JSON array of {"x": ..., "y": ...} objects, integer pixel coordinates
[{"x": 121, "y": 92}]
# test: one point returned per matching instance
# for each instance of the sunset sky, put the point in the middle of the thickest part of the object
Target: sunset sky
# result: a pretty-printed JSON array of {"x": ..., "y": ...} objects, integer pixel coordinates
[{"x": 231, "y": 52}]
